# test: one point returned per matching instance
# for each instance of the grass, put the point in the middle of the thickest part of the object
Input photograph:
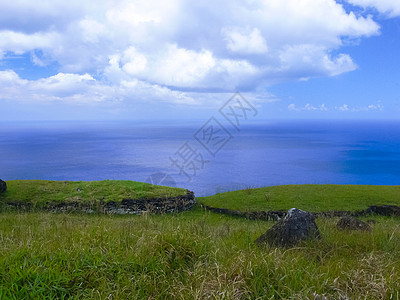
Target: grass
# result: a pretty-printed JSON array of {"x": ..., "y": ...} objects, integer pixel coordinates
[
  {"x": 309, "y": 197},
  {"x": 192, "y": 255},
  {"x": 198, "y": 254},
  {"x": 39, "y": 192}
]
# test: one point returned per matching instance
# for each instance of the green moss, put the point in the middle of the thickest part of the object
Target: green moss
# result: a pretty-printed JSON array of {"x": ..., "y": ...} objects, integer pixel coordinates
[
  {"x": 39, "y": 192},
  {"x": 311, "y": 197}
]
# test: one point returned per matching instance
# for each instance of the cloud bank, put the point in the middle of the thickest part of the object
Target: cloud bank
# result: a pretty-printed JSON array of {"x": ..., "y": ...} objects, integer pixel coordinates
[
  {"x": 343, "y": 108},
  {"x": 387, "y": 7},
  {"x": 171, "y": 50}
]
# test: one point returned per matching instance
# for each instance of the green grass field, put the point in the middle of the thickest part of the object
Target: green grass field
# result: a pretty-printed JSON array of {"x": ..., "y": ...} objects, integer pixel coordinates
[
  {"x": 39, "y": 192},
  {"x": 196, "y": 255},
  {"x": 313, "y": 198}
]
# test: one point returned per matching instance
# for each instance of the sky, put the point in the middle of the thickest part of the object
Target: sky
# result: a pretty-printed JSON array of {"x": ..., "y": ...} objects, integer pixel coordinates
[{"x": 182, "y": 60}]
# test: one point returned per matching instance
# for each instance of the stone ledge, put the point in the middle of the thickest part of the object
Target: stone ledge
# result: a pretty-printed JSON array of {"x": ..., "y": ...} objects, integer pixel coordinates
[
  {"x": 126, "y": 206},
  {"x": 276, "y": 215}
]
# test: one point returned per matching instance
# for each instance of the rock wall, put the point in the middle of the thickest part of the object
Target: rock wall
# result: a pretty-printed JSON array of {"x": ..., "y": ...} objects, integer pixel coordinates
[
  {"x": 3, "y": 186},
  {"x": 154, "y": 205},
  {"x": 129, "y": 206},
  {"x": 276, "y": 215},
  {"x": 271, "y": 215}
]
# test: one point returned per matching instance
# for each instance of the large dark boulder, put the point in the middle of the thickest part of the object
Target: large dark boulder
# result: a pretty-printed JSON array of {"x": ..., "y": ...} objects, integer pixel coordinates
[
  {"x": 384, "y": 210},
  {"x": 3, "y": 186},
  {"x": 296, "y": 226},
  {"x": 350, "y": 223}
]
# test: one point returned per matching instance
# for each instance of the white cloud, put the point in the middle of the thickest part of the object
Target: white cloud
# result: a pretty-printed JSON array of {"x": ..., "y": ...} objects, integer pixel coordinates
[
  {"x": 181, "y": 45},
  {"x": 313, "y": 60},
  {"x": 20, "y": 43},
  {"x": 343, "y": 108},
  {"x": 245, "y": 41},
  {"x": 169, "y": 66},
  {"x": 66, "y": 87},
  {"x": 372, "y": 107},
  {"x": 307, "y": 107},
  {"x": 93, "y": 30},
  {"x": 181, "y": 67},
  {"x": 388, "y": 7},
  {"x": 133, "y": 62},
  {"x": 84, "y": 88}
]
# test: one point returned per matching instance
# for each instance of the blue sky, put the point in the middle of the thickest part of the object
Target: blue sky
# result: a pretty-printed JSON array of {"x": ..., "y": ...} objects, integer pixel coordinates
[{"x": 181, "y": 60}]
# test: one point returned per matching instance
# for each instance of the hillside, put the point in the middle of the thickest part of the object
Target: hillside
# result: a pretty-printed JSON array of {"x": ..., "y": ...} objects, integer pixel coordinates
[
  {"x": 313, "y": 198},
  {"x": 40, "y": 192}
]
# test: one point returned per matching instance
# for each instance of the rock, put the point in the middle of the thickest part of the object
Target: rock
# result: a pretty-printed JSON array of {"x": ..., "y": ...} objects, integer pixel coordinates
[
  {"x": 266, "y": 215},
  {"x": 160, "y": 205},
  {"x": 3, "y": 186},
  {"x": 296, "y": 226},
  {"x": 351, "y": 223},
  {"x": 384, "y": 210},
  {"x": 128, "y": 206},
  {"x": 270, "y": 215},
  {"x": 224, "y": 211}
]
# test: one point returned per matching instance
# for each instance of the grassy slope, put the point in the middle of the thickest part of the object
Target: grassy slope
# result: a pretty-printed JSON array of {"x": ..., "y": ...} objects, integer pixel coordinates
[
  {"x": 198, "y": 254},
  {"x": 307, "y": 197},
  {"x": 192, "y": 255},
  {"x": 41, "y": 191}
]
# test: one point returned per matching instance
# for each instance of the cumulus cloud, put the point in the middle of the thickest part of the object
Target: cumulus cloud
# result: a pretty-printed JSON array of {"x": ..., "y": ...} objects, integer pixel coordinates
[
  {"x": 173, "y": 48},
  {"x": 311, "y": 61},
  {"x": 19, "y": 43},
  {"x": 388, "y": 7},
  {"x": 77, "y": 89},
  {"x": 245, "y": 41},
  {"x": 372, "y": 107},
  {"x": 343, "y": 108},
  {"x": 58, "y": 87},
  {"x": 307, "y": 107}
]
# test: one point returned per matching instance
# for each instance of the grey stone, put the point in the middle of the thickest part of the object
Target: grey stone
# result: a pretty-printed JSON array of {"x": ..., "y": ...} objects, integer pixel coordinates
[
  {"x": 296, "y": 226},
  {"x": 351, "y": 223}
]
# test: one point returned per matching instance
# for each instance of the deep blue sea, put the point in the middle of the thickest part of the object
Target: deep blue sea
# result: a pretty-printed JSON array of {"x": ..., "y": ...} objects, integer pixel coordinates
[{"x": 203, "y": 160}]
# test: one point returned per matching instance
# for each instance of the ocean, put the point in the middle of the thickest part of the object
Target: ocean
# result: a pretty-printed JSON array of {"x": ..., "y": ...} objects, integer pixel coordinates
[{"x": 206, "y": 160}]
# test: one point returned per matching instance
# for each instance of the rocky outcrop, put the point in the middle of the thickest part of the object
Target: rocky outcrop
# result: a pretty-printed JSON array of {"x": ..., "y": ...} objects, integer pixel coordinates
[
  {"x": 3, "y": 186},
  {"x": 154, "y": 205},
  {"x": 296, "y": 226},
  {"x": 275, "y": 215},
  {"x": 384, "y": 210},
  {"x": 126, "y": 206},
  {"x": 350, "y": 223},
  {"x": 271, "y": 215}
]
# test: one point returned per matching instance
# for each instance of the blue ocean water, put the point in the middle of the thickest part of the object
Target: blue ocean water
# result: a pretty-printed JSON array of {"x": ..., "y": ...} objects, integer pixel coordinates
[{"x": 272, "y": 153}]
